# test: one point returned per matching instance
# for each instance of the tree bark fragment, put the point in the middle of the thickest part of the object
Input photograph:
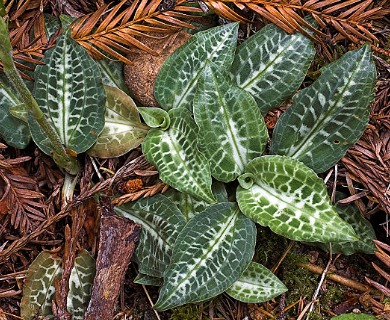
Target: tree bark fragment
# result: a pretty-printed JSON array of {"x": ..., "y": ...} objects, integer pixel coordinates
[{"x": 118, "y": 237}]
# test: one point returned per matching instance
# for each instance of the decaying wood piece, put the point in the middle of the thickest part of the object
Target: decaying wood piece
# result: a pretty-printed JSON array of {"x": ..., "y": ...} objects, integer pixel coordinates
[{"x": 118, "y": 237}]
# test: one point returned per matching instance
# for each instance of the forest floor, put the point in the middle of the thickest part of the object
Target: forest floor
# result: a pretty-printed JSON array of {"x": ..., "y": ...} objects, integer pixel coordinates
[{"x": 362, "y": 173}]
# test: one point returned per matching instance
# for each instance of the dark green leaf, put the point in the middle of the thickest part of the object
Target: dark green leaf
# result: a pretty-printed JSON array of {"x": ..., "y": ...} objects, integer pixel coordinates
[
  {"x": 271, "y": 65},
  {"x": 12, "y": 129},
  {"x": 288, "y": 197},
  {"x": 232, "y": 131},
  {"x": 161, "y": 223},
  {"x": 175, "y": 154},
  {"x": 209, "y": 255},
  {"x": 330, "y": 115},
  {"x": 176, "y": 82},
  {"x": 256, "y": 284},
  {"x": 69, "y": 90}
]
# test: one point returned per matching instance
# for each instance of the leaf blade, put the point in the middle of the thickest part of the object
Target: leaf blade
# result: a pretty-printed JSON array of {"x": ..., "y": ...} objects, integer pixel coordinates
[
  {"x": 175, "y": 154},
  {"x": 123, "y": 129},
  {"x": 285, "y": 195},
  {"x": 256, "y": 284},
  {"x": 39, "y": 289},
  {"x": 69, "y": 90},
  {"x": 191, "y": 206},
  {"x": 351, "y": 214},
  {"x": 228, "y": 238},
  {"x": 161, "y": 223},
  {"x": 80, "y": 285},
  {"x": 231, "y": 129},
  {"x": 330, "y": 115},
  {"x": 176, "y": 82},
  {"x": 13, "y": 130},
  {"x": 271, "y": 65}
]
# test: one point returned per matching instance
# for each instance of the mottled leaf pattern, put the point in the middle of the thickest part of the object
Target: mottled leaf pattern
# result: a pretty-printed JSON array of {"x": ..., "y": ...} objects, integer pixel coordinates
[
  {"x": 69, "y": 90},
  {"x": 161, "y": 223},
  {"x": 232, "y": 131},
  {"x": 285, "y": 195},
  {"x": 209, "y": 255},
  {"x": 330, "y": 115},
  {"x": 256, "y": 284},
  {"x": 148, "y": 280},
  {"x": 13, "y": 130},
  {"x": 191, "y": 206},
  {"x": 52, "y": 24},
  {"x": 112, "y": 74},
  {"x": 80, "y": 285},
  {"x": 363, "y": 228},
  {"x": 38, "y": 290},
  {"x": 123, "y": 129},
  {"x": 271, "y": 65},
  {"x": 155, "y": 117},
  {"x": 176, "y": 82},
  {"x": 354, "y": 316},
  {"x": 175, "y": 154}
]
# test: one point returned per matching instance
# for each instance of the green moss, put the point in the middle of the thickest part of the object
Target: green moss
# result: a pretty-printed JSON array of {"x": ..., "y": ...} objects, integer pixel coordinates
[
  {"x": 315, "y": 315},
  {"x": 186, "y": 312},
  {"x": 269, "y": 246},
  {"x": 332, "y": 296}
]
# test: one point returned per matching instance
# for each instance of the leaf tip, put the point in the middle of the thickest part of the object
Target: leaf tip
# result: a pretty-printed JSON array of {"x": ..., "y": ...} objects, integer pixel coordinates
[{"x": 246, "y": 180}]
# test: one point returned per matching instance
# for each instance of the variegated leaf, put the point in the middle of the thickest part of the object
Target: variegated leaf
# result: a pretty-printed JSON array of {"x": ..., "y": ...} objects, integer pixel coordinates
[
  {"x": 69, "y": 90},
  {"x": 38, "y": 290},
  {"x": 175, "y": 154},
  {"x": 191, "y": 206},
  {"x": 12, "y": 129},
  {"x": 80, "y": 285},
  {"x": 52, "y": 24},
  {"x": 351, "y": 214},
  {"x": 209, "y": 255},
  {"x": 148, "y": 280},
  {"x": 285, "y": 195},
  {"x": 256, "y": 284},
  {"x": 271, "y": 65},
  {"x": 232, "y": 131},
  {"x": 112, "y": 74},
  {"x": 155, "y": 117},
  {"x": 123, "y": 129},
  {"x": 176, "y": 82},
  {"x": 354, "y": 316},
  {"x": 161, "y": 223},
  {"x": 330, "y": 115}
]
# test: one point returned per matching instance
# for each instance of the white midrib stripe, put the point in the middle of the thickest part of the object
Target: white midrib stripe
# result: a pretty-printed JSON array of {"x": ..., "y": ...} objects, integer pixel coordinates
[{"x": 221, "y": 235}]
